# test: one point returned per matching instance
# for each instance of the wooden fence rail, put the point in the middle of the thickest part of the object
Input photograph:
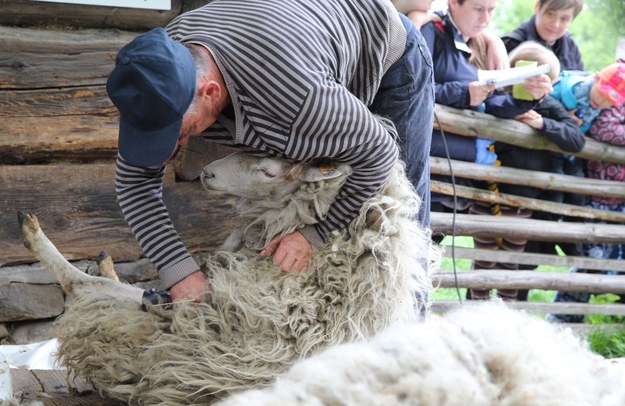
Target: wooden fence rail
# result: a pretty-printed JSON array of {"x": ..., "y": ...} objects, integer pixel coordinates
[{"x": 472, "y": 124}]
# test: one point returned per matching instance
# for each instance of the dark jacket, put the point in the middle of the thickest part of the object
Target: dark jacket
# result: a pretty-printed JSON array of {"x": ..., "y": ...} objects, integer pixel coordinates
[
  {"x": 452, "y": 74},
  {"x": 559, "y": 128},
  {"x": 565, "y": 48}
]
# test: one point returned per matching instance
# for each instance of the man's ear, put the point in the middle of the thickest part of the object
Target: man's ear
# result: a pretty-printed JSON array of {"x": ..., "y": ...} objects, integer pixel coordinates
[
  {"x": 536, "y": 6},
  {"x": 209, "y": 88}
]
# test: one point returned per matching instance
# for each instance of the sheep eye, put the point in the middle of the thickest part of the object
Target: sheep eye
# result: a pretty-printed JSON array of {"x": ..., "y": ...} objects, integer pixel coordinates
[{"x": 267, "y": 172}]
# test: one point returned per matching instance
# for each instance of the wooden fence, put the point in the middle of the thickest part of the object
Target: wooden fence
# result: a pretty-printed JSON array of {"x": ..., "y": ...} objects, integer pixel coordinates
[{"x": 471, "y": 124}]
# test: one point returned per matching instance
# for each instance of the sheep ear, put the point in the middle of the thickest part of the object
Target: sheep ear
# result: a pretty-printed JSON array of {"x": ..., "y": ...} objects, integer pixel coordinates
[{"x": 315, "y": 172}]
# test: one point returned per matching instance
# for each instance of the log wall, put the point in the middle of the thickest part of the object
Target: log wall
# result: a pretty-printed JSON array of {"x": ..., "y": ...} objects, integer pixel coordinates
[{"x": 58, "y": 142}]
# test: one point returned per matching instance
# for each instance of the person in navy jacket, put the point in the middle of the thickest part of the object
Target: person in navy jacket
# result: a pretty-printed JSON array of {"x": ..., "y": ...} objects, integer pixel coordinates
[{"x": 456, "y": 80}]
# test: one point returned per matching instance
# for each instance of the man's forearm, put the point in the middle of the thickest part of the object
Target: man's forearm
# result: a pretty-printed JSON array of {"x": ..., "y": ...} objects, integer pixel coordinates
[{"x": 139, "y": 194}]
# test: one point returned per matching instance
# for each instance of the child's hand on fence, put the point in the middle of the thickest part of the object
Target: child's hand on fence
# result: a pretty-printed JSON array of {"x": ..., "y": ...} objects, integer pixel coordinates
[
  {"x": 573, "y": 114},
  {"x": 483, "y": 155},
  {"x": 531, "y": 118}
]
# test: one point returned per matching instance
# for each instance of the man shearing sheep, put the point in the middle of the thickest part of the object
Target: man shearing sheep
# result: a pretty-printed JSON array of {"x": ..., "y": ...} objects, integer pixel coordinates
[{"x": 297, "y": 78}]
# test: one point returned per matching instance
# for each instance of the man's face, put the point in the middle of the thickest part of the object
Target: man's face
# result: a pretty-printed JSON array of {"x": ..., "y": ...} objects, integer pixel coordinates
[
  {"x": 552, "y": 24},
  {"x": 472, "y": 16},
  {"x": 197, "y": 118}
]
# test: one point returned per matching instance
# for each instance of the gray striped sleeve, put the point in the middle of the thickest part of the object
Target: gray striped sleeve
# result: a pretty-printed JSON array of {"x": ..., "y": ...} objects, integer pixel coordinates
[{"x": 139, "y": 194}]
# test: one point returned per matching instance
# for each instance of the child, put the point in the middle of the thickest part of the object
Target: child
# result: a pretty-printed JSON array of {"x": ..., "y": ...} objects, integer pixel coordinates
[
  {"x": 585, "y": 95},
  {"x": 549, "y": 118},
  {"x": 608, "y": 127}
]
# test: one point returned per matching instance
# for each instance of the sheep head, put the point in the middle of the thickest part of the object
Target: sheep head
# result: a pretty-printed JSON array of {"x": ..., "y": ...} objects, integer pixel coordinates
[
  {"x": 254, "y": 177},
  {"x": 278, "y": 195}
]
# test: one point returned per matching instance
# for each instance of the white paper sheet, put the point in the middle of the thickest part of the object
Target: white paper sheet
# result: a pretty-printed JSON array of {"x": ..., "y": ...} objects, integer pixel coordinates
[{"x": 512, "y": 76}]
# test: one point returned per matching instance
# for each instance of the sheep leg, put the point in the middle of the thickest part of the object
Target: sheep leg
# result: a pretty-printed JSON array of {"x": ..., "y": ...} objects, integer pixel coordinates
[{"x": 73, "y": 281}]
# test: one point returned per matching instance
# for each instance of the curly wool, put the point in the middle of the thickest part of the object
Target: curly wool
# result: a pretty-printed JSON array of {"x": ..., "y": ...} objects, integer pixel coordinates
[
  {"x": 258, "y": 320},
  {"x": 481, "y": 355}
]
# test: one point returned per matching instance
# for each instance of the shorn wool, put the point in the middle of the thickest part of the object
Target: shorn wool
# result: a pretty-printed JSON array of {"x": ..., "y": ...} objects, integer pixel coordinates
[{"x": 479, "y": 355}]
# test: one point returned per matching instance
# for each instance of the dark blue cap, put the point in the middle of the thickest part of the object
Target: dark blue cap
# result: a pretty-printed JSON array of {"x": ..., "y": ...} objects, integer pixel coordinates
[{"x": 152, "y": 86}]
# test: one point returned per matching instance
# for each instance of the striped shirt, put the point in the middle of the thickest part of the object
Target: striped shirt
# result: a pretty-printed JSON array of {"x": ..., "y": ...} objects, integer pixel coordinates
[{"x": 300, "y": 74}]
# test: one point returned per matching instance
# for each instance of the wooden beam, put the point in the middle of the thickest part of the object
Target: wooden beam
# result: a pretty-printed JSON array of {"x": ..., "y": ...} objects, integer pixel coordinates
[
  {"x": 54, "y": 58},
  {"x": 505, "y": 279},
  {"x": 37, "y": 13},
  {"x": 526, "y": 202},
  {"x": 472, "y": 124},
  {"x": 77, "y": 208},
  {"x": 528, "y": 258},
  {"x": 522, "y": 177},
  {"x": 538, "y": 307},
  {"x": 529, "y": 229}
]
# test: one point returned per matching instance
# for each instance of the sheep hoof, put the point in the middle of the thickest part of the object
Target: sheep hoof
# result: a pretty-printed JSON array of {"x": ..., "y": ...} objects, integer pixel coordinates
[
  {"x": 29, "y": 227},
  {"x": 106, "y": 266}
]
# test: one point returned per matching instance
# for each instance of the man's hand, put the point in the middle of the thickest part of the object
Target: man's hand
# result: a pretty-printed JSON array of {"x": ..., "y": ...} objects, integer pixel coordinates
[
  {"x": 190, "y": 288},
  {"x": 292, "y": 252}
]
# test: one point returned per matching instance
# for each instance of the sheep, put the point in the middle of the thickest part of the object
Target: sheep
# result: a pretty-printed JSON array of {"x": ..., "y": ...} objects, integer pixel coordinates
[
  {"x": 481, "y": 355},
  {"x": 257, "y": 320}
]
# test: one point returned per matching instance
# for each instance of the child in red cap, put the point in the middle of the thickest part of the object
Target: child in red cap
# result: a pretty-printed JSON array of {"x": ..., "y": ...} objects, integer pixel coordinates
[
  {"x": 611, "y": 83},
  {"x": 585, "y": 95}
]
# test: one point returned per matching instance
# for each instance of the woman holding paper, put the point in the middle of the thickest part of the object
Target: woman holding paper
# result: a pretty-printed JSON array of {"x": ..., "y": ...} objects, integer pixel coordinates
[{"x": 456, "y": 80}]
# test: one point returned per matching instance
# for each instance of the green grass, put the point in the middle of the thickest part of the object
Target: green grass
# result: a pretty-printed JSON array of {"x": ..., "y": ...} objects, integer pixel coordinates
[{"x": 463, "y": 265}]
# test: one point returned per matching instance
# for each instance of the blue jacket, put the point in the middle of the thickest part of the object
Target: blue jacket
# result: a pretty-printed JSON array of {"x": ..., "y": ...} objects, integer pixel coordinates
[
  {"x": 573, "y": 91},
  {"x": 452, "y": 74},
  {"x": 565, "y": 48}
]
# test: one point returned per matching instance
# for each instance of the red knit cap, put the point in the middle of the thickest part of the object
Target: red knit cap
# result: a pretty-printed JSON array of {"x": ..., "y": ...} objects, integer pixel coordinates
[{"x": 612, "y": 83}]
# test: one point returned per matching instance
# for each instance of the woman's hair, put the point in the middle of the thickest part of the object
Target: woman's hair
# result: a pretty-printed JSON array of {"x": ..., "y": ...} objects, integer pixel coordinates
[
  {"x": 549, "y": 5},
  {"x": 533, "y": 51},
  {"x": 479, "y": 51}
]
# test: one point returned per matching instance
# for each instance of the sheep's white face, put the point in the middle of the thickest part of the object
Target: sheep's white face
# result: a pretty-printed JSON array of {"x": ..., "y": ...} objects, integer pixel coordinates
[{"x": 249, "y": 176}]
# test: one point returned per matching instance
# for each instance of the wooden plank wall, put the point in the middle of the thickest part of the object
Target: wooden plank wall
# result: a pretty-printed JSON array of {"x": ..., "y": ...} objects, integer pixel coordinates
[{"x": 59, "y": 135}]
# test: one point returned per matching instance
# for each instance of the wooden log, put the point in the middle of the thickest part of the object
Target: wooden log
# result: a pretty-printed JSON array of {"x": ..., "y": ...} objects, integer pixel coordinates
[
  {"x": 529, "y": 229},
  {"x": 526, "y": 202},
  {"x": 45, "y": 125},
  {"x": 522, "y": 177},
  {"x": 54, "y": 58},
  {"x": 36, "y": 13},
  {"x": 78, "y": 210},
  {"x": 473, "y": 124},
  {"x": 54, "y": 104},
  {"x": 516, "y": 279},
  {"x": 538, "y": 307},
  {"x": 529, "y": 258}
]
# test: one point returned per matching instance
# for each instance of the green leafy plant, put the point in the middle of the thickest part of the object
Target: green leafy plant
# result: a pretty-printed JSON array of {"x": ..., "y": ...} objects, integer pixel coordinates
[{"x": 607, "y": 344}]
